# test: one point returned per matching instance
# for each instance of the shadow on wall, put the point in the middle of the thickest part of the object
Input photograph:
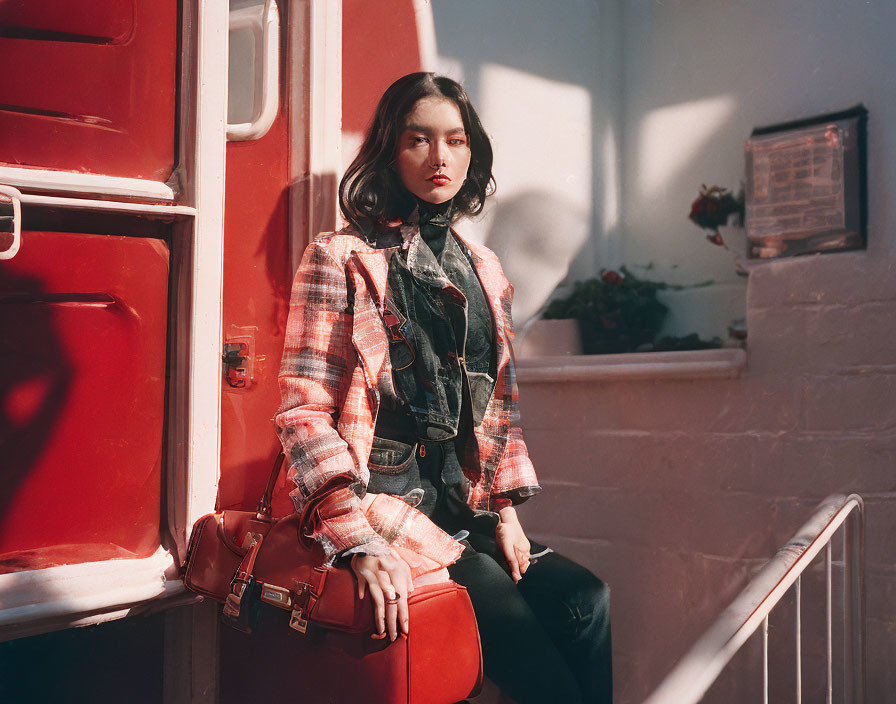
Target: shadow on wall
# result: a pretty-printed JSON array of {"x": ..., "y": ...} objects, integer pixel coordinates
[
  {"x": 536, "y": 235},
  {"x": 545, "y": 84}
]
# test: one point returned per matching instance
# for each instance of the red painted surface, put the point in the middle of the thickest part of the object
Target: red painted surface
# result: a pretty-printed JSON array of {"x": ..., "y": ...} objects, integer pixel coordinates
[
  {"x": 378, "y": 46},
  {"x": 257, "y": 270},
  {"x": 257, "y": 280},
  {"x": 89, "y": 85},
  {"x": 83, "y": 329}
]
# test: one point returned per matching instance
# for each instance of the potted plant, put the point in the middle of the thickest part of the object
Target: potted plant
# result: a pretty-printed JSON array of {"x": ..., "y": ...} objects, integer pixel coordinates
[{"x": 617, "y": 312}]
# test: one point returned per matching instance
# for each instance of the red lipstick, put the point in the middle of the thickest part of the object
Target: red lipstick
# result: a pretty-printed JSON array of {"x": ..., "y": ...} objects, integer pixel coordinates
[{"x": 439, "y": 179}]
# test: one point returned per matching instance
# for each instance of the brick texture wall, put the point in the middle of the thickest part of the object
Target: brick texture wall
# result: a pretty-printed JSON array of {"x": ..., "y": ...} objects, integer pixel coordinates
[{"x": 675, "y": 491}]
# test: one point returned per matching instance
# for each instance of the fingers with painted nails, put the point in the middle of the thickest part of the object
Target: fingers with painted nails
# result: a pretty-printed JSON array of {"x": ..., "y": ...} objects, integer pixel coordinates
[{"x": 388, "y": 578}]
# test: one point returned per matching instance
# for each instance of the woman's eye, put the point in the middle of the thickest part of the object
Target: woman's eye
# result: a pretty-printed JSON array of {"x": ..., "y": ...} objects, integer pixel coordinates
[
  {"x": 419, "y": 140},
  {"x": 457, "y": 142}
]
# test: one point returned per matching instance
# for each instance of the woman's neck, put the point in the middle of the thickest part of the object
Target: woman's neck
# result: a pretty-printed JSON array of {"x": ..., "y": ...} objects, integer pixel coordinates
[
  {"x": 434, "y": 220},
  {"x": 429, "y": 212}
]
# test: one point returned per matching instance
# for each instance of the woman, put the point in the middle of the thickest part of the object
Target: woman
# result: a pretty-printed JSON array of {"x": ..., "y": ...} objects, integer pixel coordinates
[{"x": 397, "y": 381}]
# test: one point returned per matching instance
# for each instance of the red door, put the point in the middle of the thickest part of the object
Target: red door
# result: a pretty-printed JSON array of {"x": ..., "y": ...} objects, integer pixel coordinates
[
  {"x": 86, "y": 86},
  {"x": 83, "y": 321},
  {"x": 89, "y": 86}
]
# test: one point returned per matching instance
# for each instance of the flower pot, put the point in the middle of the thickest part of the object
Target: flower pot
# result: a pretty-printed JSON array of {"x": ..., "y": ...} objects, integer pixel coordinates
[{"x": 546, "y": 338}]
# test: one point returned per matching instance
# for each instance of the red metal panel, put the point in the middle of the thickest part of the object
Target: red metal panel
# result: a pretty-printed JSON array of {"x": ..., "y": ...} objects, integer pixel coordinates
[
  {"x": 83, "y": 322},
  {"x": 89, "y": 85},
  {"x": 257, "y": 274},
  {"x": 110, "y": 22},
  {"x": 257, "y": 280}
]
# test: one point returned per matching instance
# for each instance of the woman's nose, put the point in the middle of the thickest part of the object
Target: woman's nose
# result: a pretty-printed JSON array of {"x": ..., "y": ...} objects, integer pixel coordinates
[{"x": 437, "y": 155}]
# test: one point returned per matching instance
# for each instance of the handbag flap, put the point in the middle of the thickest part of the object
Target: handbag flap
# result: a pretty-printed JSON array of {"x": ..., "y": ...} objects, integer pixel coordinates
[
  {"x": 284, "y": 561},
  {"x": 339, "y": 606}
]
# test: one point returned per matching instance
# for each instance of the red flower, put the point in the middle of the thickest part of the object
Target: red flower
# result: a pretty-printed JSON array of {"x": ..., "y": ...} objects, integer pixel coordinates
[
  {"x": 713, "y": 206},
  {"x": 612, "y": 278},
  {"x": 696, "y": 208}
]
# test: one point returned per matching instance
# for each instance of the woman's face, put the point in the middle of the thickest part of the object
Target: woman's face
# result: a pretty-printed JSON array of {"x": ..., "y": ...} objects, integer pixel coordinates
[{"x": 433, "y": 151}]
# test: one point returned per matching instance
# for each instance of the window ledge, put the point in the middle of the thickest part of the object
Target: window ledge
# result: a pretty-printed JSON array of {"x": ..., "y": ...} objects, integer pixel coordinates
[
  {"x": 726, "y": 363},
  {"x": 37, "y": 601}
]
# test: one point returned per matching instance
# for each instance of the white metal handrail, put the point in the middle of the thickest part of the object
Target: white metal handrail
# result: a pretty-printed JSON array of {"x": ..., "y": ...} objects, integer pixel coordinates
[
  {"x": 16, "y": 198},
  {"x": 699, "y": 668}
]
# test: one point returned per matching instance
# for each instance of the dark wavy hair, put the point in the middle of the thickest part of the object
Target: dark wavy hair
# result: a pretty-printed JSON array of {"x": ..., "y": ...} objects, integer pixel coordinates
[{"x": 371, "y": 193}]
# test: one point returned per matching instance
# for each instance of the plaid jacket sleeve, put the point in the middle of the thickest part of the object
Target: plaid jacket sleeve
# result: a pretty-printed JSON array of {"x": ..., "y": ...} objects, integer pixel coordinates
[
  {"x": 315, "y": 373},
  {"x": 515, "y": 478}
]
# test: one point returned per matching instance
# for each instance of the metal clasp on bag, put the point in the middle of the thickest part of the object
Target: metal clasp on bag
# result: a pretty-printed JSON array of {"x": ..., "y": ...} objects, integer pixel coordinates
[
  {"x": 233, "y": 601},
  {"x": 243, "y": 579},
  {"x": 276, "y": 596},
  {"x": 298, "y": 619},
  {"x": 250, "y": 540}
]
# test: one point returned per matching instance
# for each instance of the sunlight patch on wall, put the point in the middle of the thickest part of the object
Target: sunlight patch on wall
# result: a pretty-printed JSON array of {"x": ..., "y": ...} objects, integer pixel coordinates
[
  {"x": 545, "y": 131},
  {"x": 669, "y": 137},
  {"x": 540, "y": 218},
  {"x": 453, "y": 68},
  {"x": 351, "y": 143},
  {"x": 611, "y": 188}
]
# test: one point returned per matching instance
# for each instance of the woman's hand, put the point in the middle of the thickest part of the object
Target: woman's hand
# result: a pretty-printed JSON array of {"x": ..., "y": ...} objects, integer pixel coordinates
[
  {"x": 513, "y": 542},
  {"x": 388, "y": 578}
]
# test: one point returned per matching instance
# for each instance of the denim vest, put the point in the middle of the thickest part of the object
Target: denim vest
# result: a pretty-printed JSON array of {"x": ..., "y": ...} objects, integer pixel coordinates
[{"x": 442, "y": 350}]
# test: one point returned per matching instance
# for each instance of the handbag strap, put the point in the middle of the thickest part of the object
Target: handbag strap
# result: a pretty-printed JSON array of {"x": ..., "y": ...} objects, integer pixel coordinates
[
  {"x": 263, "y": 512},
  {"x": 242, "y": 579}
]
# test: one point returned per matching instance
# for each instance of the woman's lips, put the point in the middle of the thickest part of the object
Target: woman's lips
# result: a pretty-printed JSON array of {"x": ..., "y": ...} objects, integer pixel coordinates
[{"x": 439, "y": 179}]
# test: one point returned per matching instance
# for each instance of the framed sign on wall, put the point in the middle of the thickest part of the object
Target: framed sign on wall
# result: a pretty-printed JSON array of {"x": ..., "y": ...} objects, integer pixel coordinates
[{"x": 806, "y": 187}]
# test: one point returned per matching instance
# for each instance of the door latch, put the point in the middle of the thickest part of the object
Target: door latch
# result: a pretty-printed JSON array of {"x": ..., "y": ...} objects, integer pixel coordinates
[{"x": 237, "y": 363}]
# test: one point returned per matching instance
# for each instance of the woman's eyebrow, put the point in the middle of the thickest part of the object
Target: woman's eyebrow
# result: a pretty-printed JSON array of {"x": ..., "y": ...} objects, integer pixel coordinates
[{"x": 411, "y": 127}]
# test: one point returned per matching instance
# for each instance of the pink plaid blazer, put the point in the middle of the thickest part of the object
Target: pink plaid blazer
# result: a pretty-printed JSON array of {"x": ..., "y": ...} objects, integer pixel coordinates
[{"x": 335, "y": 355}]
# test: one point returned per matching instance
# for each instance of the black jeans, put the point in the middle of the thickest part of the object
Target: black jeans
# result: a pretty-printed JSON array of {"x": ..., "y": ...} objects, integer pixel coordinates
[{"x": 547, "y": 638}]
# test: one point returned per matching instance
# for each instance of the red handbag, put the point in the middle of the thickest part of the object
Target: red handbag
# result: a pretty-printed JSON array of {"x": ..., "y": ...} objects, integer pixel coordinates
[{"x": 245, "y": 559}]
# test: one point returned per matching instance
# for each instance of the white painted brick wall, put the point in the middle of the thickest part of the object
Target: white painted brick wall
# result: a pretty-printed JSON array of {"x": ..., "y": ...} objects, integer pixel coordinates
[{"x": 674, "y": 491}]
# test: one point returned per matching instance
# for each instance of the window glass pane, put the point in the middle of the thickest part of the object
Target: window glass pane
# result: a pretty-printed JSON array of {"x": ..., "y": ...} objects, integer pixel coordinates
[{"x": 245, "y": 60}]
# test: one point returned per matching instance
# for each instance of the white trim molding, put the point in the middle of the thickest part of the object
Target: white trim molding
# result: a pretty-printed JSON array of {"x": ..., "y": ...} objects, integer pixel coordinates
[
  {"x": 95, "y": 184},
  {"x": 426, "y": 35},
  {"x": 325, "y": 107},
  {"x": 57, "y": 597},
  {"x": 725, "y": 363},
  {"x": 152, "y": 210},
  {"x": 205, "y": 339}
]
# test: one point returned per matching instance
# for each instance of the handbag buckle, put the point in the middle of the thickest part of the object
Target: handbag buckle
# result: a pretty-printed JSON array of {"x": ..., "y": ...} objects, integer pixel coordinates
[
  {"x": 244, "y": 591},
  {"x": 250, "y": 540},
  {"x": 232, "y": 602},
  {"x": 298, "y": 619},
  {"x": 232, "y": 606}
]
